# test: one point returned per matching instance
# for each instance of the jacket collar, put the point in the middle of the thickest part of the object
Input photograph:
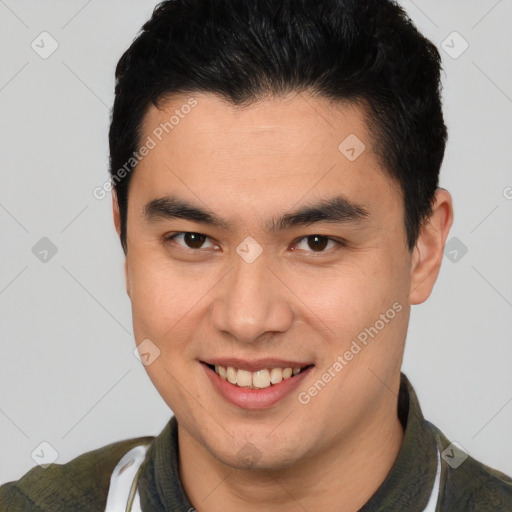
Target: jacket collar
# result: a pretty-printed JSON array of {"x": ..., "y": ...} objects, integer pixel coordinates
[
  {"x": 407, "y": 487},
  {"x": 409, "y": 484}
]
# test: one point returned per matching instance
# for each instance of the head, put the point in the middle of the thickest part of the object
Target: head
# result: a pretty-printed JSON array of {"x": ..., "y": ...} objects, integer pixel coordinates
[{"x": 275, "y": 169}]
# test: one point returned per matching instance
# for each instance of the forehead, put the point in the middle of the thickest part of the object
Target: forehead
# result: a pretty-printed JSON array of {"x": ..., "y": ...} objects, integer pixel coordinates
[
  {"x": 277, "y": 151},
  {"x": 272, "y": 125}
]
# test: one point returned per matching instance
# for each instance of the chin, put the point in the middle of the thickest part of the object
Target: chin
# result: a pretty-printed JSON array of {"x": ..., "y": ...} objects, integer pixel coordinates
[{"x": 257, "y": 455}]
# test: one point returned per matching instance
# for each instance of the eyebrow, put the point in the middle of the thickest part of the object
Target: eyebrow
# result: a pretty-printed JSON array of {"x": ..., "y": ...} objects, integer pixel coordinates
[{"x": 336, "y": 209}]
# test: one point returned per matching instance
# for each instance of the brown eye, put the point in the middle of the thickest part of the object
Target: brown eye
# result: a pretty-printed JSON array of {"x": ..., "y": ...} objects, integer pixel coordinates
[
  {"x": 190, "y": 240},
  {"x": 194, "y": 240},
  {"x": 317, "y": 243}
]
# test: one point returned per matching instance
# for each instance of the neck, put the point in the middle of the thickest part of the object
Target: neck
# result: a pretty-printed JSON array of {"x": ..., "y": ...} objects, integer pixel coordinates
[{"x": 341, "y": 479}]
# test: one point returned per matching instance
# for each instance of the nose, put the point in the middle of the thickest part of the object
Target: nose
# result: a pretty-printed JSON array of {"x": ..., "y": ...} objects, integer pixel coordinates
[{"x": 251, "y": 302}]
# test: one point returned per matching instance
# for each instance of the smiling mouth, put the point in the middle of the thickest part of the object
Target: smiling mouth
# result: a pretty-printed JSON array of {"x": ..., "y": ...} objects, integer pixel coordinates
[{"x": 260, "y": 379}]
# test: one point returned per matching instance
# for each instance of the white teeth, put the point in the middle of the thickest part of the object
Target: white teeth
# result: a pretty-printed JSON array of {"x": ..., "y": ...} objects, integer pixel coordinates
[
  {"x": 255, "y": 380},
  {"x": 260, "y": 379},
  {"x": 231, "y": 374},
  {"x": 276, "y": 375},
  {"x": 244, "y": 378}
]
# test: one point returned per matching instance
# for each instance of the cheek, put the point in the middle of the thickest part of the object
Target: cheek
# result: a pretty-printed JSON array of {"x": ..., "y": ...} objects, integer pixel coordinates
[
  {"x": 170, "y": 298},
  {"x": 361, "y": 307},
  {"x": 162, "y": 295},
  {"x": 350, "y": 294},
  {"x": 165, "y": 304}
]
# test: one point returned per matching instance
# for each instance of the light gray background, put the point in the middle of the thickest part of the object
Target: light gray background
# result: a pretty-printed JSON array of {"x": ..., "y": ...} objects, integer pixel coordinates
[{"x": 68, "y": 373}]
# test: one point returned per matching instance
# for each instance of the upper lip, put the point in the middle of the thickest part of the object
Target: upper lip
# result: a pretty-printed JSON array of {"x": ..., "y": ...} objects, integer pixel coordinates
[{"x": 255, "y": 364}]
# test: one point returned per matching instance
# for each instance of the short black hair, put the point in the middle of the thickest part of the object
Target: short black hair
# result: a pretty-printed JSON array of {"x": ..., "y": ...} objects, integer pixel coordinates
[{"x": 366, "y": 52}]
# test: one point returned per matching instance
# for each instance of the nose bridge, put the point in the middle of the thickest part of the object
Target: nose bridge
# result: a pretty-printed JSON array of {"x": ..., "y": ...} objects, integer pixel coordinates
[{"x": 251, "y": 300}]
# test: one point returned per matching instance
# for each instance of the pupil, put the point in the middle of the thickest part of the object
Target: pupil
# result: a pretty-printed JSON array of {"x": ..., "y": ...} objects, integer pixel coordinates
[
  {"x": 318, "y": 246},
  {"x": 194, "y": 240}
]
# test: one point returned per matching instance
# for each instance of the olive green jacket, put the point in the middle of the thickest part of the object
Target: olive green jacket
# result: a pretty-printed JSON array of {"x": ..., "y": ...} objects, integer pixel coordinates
[{"x": 82, "y": 484}]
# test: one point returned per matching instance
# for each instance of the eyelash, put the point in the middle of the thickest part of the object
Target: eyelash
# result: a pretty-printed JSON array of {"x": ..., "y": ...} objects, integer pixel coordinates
[{"x": 168, "y": 238}]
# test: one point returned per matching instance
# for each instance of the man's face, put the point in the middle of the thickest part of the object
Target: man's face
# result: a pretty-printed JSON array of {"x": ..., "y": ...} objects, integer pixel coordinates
[{"x": 243, "y": 294}]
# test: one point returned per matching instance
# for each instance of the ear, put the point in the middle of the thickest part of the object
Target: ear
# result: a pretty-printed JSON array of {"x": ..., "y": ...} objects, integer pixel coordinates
[
  {"x": 428, "y": 252},
  {"x": 117, "y": 224},
  {"x": 115, "y": 212}
]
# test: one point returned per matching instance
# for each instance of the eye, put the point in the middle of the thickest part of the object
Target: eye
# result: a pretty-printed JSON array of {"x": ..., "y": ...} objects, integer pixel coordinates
[
  {"x": 195, "y": 241},
  {"x": 191, "y": 240},
  {"x": 318, "y": 242}
]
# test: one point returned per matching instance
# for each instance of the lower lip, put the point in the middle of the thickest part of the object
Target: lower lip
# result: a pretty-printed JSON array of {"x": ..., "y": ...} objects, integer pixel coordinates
[{"x": 255, "y": 398}]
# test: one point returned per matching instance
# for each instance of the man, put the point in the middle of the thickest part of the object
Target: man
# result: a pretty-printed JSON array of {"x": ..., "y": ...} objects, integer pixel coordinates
[{"x": 275, "y": 168}]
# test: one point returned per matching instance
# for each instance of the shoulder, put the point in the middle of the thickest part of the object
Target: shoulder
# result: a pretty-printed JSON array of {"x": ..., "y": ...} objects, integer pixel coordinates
[
  {"x": 471, "y": 485},
  {"x": 477, "y": 487},
  {"x": 80, "y": 484}
]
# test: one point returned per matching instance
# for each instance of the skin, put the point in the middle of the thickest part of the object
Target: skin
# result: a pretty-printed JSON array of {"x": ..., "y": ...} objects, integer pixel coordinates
[{"x": 294, "y": 302}]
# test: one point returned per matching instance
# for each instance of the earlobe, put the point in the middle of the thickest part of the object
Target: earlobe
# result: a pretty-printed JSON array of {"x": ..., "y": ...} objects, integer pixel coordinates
[
  {"x": 117, "y": 224},
  {"x": 428, "y": 253},
  {"x": 115, "y": 213},
  {"x": 126, "y": 280}
]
